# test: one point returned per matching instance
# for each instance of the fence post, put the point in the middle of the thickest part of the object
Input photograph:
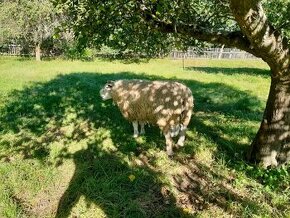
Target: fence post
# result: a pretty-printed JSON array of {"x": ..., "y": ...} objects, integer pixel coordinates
[
  {"x": 221, "y": 52},
  {"x": 183, "y": 57}
]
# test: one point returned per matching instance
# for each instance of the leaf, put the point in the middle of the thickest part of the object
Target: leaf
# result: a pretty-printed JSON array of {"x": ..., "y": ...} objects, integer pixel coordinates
[{"x": 132, "y": 177}]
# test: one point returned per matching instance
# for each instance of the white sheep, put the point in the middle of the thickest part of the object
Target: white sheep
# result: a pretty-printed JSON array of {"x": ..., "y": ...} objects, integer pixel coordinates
[{"x": 163, "y": 103}]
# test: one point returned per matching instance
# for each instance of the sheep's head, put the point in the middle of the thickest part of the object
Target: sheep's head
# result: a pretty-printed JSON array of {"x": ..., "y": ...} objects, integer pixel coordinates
[{"x": 106, "y": 91}]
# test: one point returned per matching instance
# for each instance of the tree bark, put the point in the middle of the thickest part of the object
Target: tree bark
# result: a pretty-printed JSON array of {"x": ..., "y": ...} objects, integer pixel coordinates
[
  {"x": 271, "y": 145},
  {"x": 38, "y": 52}
]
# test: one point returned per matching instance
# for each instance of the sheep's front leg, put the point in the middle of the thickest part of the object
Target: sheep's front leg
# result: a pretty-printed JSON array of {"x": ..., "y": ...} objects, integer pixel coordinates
[
  {"x": 169, "y": 143},
  {"x": 135, "y": 126},
  {"x": 142, "y": 131},
  {"x": 181, "y": 139}
]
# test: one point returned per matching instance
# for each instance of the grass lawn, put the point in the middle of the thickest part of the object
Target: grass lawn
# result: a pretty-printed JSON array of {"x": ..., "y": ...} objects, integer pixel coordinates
[{"x": 66, "y": 153}]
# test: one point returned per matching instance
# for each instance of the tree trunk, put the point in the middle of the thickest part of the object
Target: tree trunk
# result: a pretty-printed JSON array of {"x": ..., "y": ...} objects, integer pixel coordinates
[
  {"x": 271, "y": 145},
  {"x": 38, "y": 52}
]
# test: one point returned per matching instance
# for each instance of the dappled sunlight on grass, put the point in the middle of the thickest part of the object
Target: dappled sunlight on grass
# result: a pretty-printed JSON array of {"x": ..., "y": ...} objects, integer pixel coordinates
[{"x": 72, "y": 154}]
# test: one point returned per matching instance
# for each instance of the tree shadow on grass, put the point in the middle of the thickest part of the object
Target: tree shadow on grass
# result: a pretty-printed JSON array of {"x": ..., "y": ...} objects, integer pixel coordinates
[
  {"x": 218, "y": 97},
  {"x": 198, "y": 186},
  {"x": 68, "y": 112},
  {"x": 106, "y": 180},
  {"x": 232, "y": 71}
]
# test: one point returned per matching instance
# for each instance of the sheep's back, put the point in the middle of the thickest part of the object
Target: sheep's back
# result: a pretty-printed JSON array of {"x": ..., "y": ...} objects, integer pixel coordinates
[
  {"x": 156, "y": 102},
  {"x": 173, "y": 101}
]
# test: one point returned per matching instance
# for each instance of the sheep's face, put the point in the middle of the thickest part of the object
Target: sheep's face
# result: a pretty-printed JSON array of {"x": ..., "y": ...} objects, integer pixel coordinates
[{"x": 106, "y": 92}]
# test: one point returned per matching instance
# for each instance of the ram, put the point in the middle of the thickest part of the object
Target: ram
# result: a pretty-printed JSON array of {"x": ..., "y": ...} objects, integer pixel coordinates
[{"x": 166, "y": 104}]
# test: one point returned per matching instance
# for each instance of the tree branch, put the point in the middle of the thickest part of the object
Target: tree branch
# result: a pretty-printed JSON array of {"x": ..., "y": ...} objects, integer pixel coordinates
[
  {"x": 261, "y": 34},
  {"x": 230, "y": 39}
]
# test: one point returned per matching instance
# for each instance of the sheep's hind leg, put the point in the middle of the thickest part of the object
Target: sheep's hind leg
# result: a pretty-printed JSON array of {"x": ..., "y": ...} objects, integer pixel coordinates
[
  {"x": 142, "y": 131},
  {"x": 135, "y": 126},
  {"x": 169, "y": 143},
  {"x": 181, "y": 139}
]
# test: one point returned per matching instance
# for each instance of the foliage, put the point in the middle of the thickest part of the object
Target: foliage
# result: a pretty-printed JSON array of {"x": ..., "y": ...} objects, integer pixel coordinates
[
  {"x": 278, "y": 12},
  {"x": 272, "y": 179},
  {"x": 119, "y": 25},
  {"x": 140, "y": 26},
  {"x": 275, "y": 178},
  {"x": 28, "y": 23}
]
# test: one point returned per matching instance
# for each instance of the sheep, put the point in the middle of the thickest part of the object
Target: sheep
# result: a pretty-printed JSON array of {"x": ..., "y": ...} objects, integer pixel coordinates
[{"x": 166, "y": 104}]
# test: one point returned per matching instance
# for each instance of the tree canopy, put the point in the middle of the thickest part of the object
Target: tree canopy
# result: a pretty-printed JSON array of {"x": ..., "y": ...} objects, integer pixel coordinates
[
  {"x": 149, "y": 26},
  {"x": 32, "y": 21},
  {"x": 279, "y": 15}
]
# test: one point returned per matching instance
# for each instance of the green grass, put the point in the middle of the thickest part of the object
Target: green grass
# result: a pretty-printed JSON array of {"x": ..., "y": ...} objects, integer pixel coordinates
[{"x": 66, "y": 153}]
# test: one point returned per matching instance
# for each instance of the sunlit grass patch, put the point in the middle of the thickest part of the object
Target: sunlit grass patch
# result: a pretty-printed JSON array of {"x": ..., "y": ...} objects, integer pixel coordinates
[{"x": 21, "y": 182}]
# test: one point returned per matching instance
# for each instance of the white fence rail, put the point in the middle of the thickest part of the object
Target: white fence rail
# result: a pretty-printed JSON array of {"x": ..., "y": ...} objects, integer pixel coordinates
[
  {"x": 212, "y": 53},
  {"x": 11, "y": 50}
]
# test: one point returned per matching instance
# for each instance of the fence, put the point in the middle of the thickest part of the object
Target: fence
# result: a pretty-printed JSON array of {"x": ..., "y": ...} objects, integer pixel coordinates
[
  {"x": 212, "y": 53},
  {"x": 18, "y": 50},
  {"x": 11, "y": 50}
]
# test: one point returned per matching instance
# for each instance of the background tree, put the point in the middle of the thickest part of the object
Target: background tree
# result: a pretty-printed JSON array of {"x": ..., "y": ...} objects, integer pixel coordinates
[
  {"x": 30, "y": 21},
  {"x": 149, "y": 26}
]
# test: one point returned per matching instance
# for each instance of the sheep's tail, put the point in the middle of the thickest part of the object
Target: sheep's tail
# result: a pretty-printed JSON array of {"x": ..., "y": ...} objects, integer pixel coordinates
[{"x": 187, "y": 112}]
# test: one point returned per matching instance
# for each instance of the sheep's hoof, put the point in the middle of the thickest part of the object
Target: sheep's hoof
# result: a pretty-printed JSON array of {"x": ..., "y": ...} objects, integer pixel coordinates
[
  {"x": 169, "y": 153},
  {"x": 135, "y": 135},
  {"x": 179, "y": 144}
]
